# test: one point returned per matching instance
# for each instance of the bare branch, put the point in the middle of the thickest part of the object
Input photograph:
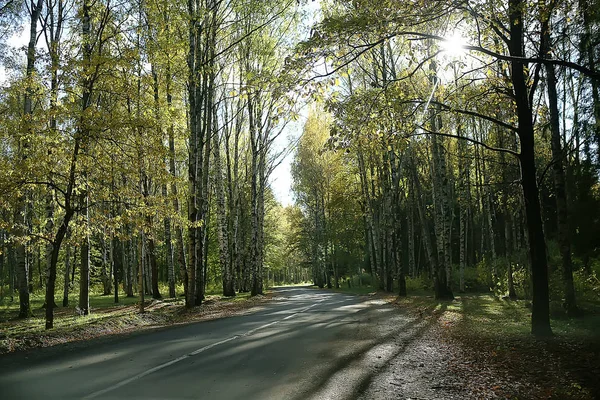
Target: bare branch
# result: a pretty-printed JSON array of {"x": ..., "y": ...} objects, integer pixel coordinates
[{"x": 468, "y": 139}]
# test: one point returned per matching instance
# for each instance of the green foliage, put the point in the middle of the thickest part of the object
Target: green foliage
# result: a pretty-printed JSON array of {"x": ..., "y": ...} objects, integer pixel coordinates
[
  {"x": 587, "y": 286},
  {"x": 418, "y": 284},
  {"x": 482, "y": 277},
  {"x": 522, "y": 281},
  {"x": 363, "y": 279},
  {"x": 472, "y": 282}
]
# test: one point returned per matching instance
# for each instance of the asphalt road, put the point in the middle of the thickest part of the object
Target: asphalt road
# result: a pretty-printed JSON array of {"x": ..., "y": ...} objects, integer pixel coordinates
[{"x": 309, "y": 344}]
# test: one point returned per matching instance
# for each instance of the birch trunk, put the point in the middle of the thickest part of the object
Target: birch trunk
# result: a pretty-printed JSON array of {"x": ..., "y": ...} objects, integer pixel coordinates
[
  {"x": 464, "y": 208},
  {"x": 116, "y": 248},
  {"x": 226, "y": 273},
  {"x": 423, "y": 219},
  {"x": 84, "y": 268},
  {"x": 66, "y": 282},
  {"x": 373, "y": 235},
  {"x": 255, "y": 288},
  {"x": 169, "y": 251},
  {"x": 128, "y": 261},
  {"x": 21, "y": 209},
  {"x": 440, "y": 200},
  {"x": 193, "y": 173},
  {"x": 179, "y": 243},
  {"x": 105, "y": 272},
  {"x": 560, "y": 190},
  {"x": 412, "y": 268}
]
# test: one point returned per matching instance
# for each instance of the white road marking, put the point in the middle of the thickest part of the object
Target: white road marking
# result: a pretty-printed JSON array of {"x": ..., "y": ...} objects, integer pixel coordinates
[{"x": 193, "y": 353}]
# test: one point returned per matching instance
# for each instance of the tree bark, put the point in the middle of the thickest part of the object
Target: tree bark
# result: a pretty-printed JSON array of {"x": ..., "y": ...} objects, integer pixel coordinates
[
  {"x": 256, "y": 287},
  {"x": 560, "y": 191},
  {"x": 464, "y": 208},
  {"x": 169, "y": 251},
  {"x": 21, "y": 211},
  {"x": 84, "y": 268},
  {"x": 440, "y": 200},
  {"x": 66, "y": 282},
  {"x": 194, "y": 106},
  {"x": 223, "y": 239},
  {"x": 540, "y": 315},
  {"x": 51, "y": 282},
  {"x": 116, "y": 248},
  {"x": 423, "y": 219}
]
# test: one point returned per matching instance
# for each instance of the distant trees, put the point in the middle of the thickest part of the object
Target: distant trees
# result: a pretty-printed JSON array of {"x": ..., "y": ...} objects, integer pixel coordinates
[
  {"x": 329, "y": 221},
  {"x": 111, "y": 118},
  {"x": 483, "y": 107}
]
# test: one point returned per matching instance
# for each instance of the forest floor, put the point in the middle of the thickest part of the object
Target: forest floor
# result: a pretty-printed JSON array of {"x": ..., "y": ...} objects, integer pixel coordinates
[
  {"x": 482, "y": 344},
  {"x": 107, "y": 319}
]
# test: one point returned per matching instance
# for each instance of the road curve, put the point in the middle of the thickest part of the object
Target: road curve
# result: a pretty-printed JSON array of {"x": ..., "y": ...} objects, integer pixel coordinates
[{"x": 308, "y": 344}]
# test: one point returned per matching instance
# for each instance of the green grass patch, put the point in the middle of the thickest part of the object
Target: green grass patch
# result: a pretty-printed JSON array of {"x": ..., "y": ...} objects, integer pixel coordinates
[
  {"x": 106, "y": 317},
  {"x": 484, "y": 315},
  {"x": 355, "y": 289},
  {"x": 239, "y": 297}
]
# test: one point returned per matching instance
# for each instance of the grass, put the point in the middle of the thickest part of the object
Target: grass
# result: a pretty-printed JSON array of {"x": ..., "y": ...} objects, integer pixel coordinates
[
  {"x": 10, "y": 309},
  {"x": 106, "y": 317},
  {"x": 358, "y": 290},
  {"x": 486, "y": 315}
]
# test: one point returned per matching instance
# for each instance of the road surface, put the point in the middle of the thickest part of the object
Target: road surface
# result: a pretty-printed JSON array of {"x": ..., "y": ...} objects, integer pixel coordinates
[{"x": 308, "y": 344}]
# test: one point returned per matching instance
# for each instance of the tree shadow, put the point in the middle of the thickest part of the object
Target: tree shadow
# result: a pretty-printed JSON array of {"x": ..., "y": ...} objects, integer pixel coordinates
[{"x": 407, "y": 334}]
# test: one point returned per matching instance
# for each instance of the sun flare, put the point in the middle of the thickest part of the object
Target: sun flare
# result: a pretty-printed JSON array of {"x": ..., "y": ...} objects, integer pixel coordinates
[{"x": 454, "y": 45}]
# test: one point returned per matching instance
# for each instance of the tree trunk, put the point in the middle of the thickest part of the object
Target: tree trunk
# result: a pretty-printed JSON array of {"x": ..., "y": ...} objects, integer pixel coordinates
[
  {"x": 105, "y": 273},
  {"x": 540, "y": 315},
  {"x": 66, "y": 282},
  {"x": 84, "y": 271},
  {"x": 21, "y": 212},
  {"x": 440, "y": 199},
  {"x": 22, "y": 268},
  {"x": 588, "y": 53},
  {"x": 11, "y": 271},
  {"x": 560, "y": 191},
  {"x": 226, "y": 272},
  {"x": 423, "y": 219},
  {"x": 376, "y": 267},
  {"x": 153, "y": 268},
  {"x": 412, "y": 267},
  {"x": 169, "y": 252},
  {"x": 128, "y": 261},
  {"x": 464, "y": 208},
  {"x": 51, "y": 282},
  {"x": 179, "y": 243},
  {"x": 254, "y": 201},
  {"x": 140, "y": 258},
  {"x": 116, "y": 248}
]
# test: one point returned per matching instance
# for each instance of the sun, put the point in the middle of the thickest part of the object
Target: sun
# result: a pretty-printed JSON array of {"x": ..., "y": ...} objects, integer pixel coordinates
[{"x": 454, "y": 44}]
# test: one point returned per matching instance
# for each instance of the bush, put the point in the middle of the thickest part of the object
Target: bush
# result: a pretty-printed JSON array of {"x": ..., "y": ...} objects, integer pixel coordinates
[
  {"x": 481, "y": 277},
  {"x": 484, "y": 278},
  {"x": 362, "y": 280},
  {"x": 418, "y": 283},
  {"x": 587, "y": 286},
  {"x": 522, "y": 280}
]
